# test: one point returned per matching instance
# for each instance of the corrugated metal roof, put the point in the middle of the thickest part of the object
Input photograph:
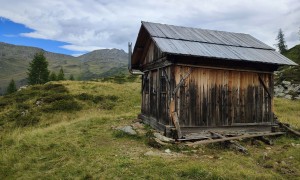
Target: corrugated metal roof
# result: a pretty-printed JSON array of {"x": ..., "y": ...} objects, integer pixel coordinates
[{"x": 215, "y": 44}]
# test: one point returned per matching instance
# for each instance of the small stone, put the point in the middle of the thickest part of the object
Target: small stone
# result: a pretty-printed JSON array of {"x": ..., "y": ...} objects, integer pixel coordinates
[
  {"x": 283, "y": 162},
  {"x": 288, "y": 96},
  {"x": 268, "y": 148},
  {"x": 128, "y": 130},
  {"x": 149, "y": 153},
  {"x": 168, "y": 151},
  {"x": 162, "y": 138},
  {"x": 280, "y": 94},
  {"x": 286, "y": 83}
]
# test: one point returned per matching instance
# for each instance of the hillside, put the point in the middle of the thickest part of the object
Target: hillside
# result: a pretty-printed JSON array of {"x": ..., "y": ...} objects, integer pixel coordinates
[
  {"x": 14, "y": 62},
  {"x": 65, "y": 130},
  {"x": 291, "y": 73}
]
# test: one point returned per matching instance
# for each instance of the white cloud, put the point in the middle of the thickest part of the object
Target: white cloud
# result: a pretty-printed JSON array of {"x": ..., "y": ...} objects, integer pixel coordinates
[
  {"x": 91, "y": 24},
  {"x": 81, "y": 48}
]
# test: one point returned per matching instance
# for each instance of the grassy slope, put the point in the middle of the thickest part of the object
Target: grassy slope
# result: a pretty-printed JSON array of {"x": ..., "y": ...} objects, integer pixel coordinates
[
  {"x": 291, "y": 73},
  {"x": 82, "y": 144}
]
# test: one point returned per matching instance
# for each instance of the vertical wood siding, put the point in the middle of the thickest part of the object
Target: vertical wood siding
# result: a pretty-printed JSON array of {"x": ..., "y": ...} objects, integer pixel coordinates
[{"x": 211, "y": 97}]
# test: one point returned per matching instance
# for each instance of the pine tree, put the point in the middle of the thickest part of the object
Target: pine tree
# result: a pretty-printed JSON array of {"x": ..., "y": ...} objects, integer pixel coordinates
[
  {"x": 38, "y": 72},
  {"x": 11, "y": 88},
  {"x": 61, "y": 75},
  {"x": 71, "y": 77},
  {"x": 281, "y": 42},
  {"x": 53, "y": 77}
]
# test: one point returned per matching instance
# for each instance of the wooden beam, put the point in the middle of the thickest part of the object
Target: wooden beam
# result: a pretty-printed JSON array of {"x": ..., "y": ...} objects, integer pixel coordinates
[
  {"x": 181, "y": 82},
  {"x": 174, "y": 118},
  {"x": 234, "y": 138},
  {"x": 289, "y": 129},
  {"x": 264, "y": 85}
]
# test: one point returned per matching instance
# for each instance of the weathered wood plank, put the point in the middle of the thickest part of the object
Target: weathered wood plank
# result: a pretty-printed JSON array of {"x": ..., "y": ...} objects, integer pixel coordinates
[{"x": 234, "y": 138}]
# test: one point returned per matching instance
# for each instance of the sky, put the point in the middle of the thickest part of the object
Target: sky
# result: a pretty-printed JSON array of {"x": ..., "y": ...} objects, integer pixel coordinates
[{"x": 76, "y": 27}]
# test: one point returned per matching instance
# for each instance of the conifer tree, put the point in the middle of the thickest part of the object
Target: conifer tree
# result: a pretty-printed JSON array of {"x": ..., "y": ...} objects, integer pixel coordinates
[
  {"x": 38, "y": 72},
  {"x": 61, "y": 75},
  {"x": 11, "y": 88},
  {"x": 71, "y": 77},
  {"x": 53, "y": 77},
  {"x": 281, "y": 42}
]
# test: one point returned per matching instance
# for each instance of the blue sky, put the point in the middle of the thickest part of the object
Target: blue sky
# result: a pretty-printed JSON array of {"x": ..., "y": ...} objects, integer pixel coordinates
[
  {"x": 11, "y": 32},
  {"x": 75, "y": 26}
]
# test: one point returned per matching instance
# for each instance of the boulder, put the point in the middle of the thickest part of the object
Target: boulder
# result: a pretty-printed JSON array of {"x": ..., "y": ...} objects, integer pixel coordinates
[
  {"x": 280, "y": 95},
  {"x": 128, "y": 130},
  {"x": 286, "y": 83},
  {"x": 288, "y": 96},
  {"x": 163, "y": 138}
]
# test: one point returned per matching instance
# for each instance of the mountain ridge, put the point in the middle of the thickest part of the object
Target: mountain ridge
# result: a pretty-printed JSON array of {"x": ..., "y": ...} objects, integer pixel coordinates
[{"x": 14, "y": 62}]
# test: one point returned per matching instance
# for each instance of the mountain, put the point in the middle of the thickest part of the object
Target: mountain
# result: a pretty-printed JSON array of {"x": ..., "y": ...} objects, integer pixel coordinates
[{"x": 14, "y": 62}]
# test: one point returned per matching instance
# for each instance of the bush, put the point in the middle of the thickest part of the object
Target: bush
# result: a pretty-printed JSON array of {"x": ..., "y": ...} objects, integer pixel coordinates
[
  {"x": 85, "y": 97},
  {"x": 108, "y": 105},
  {"x": 22, "y": 118},
  {"x": 56, "y": 97},
  {"x": 63, "y": 105},
  {"x": 58, "y": 88},
  {"x": 4, "y": 102}
]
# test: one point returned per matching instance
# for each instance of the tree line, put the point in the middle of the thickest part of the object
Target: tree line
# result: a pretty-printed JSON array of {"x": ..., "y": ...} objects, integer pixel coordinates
[{"x": 38, "y": 73}]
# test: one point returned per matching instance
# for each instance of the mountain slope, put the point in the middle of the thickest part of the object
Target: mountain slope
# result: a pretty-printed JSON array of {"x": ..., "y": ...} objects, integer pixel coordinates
[
  {"x": 14, "y": 62},
  {"x": 291, "y": 73}
]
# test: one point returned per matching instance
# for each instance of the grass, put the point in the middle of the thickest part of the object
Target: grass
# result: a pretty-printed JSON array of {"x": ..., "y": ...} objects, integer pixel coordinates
[
  {"x": 288, "y": 111},
  {"x": 82, "y": 144}
]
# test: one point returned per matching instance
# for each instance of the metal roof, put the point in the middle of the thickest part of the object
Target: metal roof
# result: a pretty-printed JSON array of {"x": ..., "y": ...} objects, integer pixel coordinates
[{"x": 214, "y": 44}]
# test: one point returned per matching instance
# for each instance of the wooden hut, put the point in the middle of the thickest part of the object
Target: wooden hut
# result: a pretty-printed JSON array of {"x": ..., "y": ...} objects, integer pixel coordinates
[{"x": 195, "y": 80}]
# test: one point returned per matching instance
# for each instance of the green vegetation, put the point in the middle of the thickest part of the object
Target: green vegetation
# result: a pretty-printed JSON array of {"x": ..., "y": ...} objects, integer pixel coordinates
[
  {"x": 11, "y": 87},
  {"x": 79, "y": 142},
  {"x": 96, "y": 64},
  {"x": 61, "y": 75},
  {"x": 281, "y": 42},
  {"x": 38, "y": 72},
  {"x": 52, "y": 76}
]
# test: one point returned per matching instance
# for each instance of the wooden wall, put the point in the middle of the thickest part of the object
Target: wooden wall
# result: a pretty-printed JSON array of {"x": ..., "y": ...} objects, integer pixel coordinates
[
  {"x": 208, "y": 97},
  {"x": 216, "y": 97},
  {"x": 155, "y": 94}
]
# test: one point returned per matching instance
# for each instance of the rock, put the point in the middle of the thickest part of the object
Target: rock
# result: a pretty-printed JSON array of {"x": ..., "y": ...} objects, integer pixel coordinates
[
  {"x": 167, "y": 151},
  {"x": 38, "y": 103},
  {"x": 128, "y": 130},
  {"x": 286, "y": 83},
  {"x": 22, "y": 87},
  {"x": 149, "y": 153},
  {"x": 278, "y": 89},
  {"x": 297, "y": 97},
  {"x": 288, "y": 96},
  {"x": 137, "y": 125},
  {"x": 280, "y": 95},
  {"x": 163, "y": 138}
]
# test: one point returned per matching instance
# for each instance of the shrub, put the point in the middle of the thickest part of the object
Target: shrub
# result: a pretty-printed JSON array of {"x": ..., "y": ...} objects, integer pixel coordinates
[
  {"x": 98, "y": 99},
  {"x": 22, "y": 118},
  {"x": 107, "y": 105},
  {"x": 58, "y": 88},
  {"x": 4, "y": 102},
  {"x": 63, "y": 105},
  {"x": 85, "y": 97},
  {"x": 56, "y": 97}
]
